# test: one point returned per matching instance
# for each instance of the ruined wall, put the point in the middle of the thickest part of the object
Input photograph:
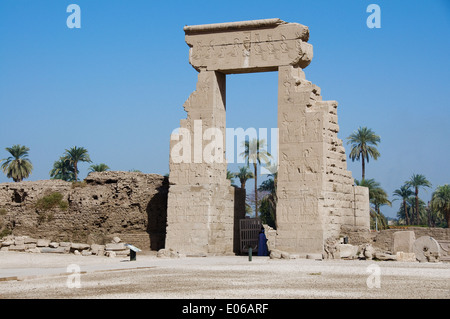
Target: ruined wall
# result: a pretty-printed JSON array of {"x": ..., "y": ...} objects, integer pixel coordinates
[
  {"x": 132, "y": 206},
  {"x": 344, "y": 204},
  {"x": 201, "y": 203},
  {"x": 316, "y": 195}
]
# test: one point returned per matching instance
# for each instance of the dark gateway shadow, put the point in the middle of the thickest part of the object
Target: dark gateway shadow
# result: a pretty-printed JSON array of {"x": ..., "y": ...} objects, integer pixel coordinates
[{"x": 157, "y": 216}]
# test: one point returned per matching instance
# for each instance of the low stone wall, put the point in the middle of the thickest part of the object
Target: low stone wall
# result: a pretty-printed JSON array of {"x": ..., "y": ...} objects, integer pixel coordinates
[
  {"x": 107, "y": 204},
  {"x": 384, "y": 239}
]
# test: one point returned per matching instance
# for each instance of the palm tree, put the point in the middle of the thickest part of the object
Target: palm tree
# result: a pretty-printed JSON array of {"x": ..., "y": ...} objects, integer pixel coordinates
[
  {"x": 404, "y": 192},
  {"x": 230, "y": 176},
  {"x": 380, "y": 198},
  {"x": 75, "y": 155},
  {"x": 364, "y": 142},
  {"x": 377, "y": 197},
  {"x": 416, "y": 181},
  {"x": 98, "y": 168},
  {"x": 62, "y": 169},
  {"x": 254, "y": 153},
  {"x": 371, "y": 184},
  {"x": 422, "y": 210},
  {"x": 440, "y": 201},
  {"x": 17, "y": 166},
  {"x": 244, "y": 174},
  {"x": 269, "y": 202}
]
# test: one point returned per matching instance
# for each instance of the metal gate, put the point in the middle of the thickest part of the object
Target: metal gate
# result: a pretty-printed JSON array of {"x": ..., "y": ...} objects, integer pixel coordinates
[{"x": 249, "y": 233}]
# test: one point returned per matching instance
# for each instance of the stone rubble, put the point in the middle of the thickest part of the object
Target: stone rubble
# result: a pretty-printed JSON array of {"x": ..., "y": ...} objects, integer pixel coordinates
[
  {"x": 335, "y": 249},
  {"x": 169, "y": 253},
  {"x": 425, "y": 249},
  {"x": 32, "y": 245}
]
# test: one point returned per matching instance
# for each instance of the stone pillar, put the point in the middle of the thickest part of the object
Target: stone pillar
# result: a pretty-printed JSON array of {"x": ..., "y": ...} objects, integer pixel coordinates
[
  {"x": 316, "y": 195},
  {"x": 301, "y": 162},
  {"x": 200, "y": 212}
]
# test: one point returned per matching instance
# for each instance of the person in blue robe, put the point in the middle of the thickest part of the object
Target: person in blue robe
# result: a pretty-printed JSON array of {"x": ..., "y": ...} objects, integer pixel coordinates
[{"x": 262, "y": 244}]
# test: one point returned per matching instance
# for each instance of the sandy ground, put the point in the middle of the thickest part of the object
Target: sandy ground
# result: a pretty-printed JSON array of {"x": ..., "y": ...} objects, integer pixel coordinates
[{"x": 52, "y": 276}]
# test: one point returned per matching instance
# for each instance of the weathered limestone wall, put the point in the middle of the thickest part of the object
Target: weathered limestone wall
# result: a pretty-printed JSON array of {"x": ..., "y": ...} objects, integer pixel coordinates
[
  {"x": 316, "y": 195},
  {"x": 343, "y": 204},
  {"x": 301, "y": 163},
  {"x": 201, "y": 202},
  {"x": 130, "y": 205}
]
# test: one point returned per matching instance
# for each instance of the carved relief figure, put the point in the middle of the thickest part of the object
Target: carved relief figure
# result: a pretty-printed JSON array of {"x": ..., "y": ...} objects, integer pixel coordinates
[
  {"x": 287, "y": 86},
  {"x": 247, "y": 44},
  {"x": 210, "y": 50},
  {"x": 258, "y": 48},
  {"x": 271, "y": 48},
  {"x": 198, "y": 51},
  {"x": 235, "y": 49},
  {"x": 284, "y": 46}
]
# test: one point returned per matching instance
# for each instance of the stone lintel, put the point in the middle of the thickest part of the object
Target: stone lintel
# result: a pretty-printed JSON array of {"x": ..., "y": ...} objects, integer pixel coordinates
[{"x": 248, "y": 46}]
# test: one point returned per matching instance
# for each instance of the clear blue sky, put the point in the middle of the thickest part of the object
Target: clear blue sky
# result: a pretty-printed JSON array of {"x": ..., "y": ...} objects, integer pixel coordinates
[{"x": 117, "y": 85}]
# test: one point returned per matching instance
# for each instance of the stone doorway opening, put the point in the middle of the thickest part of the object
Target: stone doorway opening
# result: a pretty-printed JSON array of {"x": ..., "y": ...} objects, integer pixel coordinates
[{"x": 251, "y": 113}]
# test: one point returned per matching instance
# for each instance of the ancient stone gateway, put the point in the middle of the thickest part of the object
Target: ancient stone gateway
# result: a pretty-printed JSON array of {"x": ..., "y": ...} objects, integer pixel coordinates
[{"x": 316, "y": 195}]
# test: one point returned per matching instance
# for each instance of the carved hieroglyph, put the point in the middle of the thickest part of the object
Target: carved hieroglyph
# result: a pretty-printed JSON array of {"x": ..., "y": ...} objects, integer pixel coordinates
[
  {"x": 315, "y": 191},
  {"x": 249, "y": 46}
]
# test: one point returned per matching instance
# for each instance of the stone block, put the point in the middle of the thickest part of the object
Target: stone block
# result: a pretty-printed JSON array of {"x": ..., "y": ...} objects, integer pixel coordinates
[
  {"x": 98, "y": 250},
  {"x": 30, "y": 246},
  {"x": 19, "y": 241},
  {"x": 347, "y": 251},
  {"x": 7, "y": 243},
  {"x": 59, "y": 250},
  {"x": 29, "y": 240},
  {"x": 402, "y": 256},
  {"x": 122, "y": 252},
  {"x": 385, "y": 256},
  {"x": 17, "y": 247},
  {"x": 110, "y": 254},
  {"x": 275, "y": 254},
  {"x": 65, "y": 244},
  {"x": 404, "y": 241},
  {"x": 79, "y": 246},
  {"x": 42, "y": 243},
  {"x": 115, "y": 247}
]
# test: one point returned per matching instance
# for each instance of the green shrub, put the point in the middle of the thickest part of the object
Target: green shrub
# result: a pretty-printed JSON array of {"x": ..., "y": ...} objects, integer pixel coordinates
[
  {"x": 2, "y": 211},
  {"x": 52, "y": 201},
  {"x": 5, "y": 232}
]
